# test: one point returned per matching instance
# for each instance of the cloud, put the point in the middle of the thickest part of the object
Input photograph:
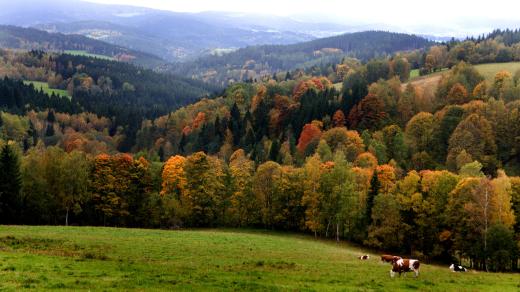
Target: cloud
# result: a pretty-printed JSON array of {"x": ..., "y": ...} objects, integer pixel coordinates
[{"x": 447, "y": 15}]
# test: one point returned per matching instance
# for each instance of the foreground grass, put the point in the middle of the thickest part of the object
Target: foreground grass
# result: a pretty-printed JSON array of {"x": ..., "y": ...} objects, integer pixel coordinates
[
  {"x": 87, "y": 54},
  {"x": 49, "y": 91},
  {"x": 77, "y": 258}
]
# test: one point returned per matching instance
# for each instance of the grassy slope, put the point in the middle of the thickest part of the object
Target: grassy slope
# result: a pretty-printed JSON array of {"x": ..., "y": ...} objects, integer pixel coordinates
[
  {"x": 429, "y": 82},
  {"x": 123, "y": 259},
  {"x": 86, "y": 54},
  {"x": 38, "y": 85},
  {"x": 489, "y": 70}
]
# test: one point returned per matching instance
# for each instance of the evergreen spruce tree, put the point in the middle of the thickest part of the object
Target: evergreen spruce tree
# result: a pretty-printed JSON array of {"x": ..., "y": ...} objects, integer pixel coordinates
[
  {"x": 182, "y": 143},
  {"x": 50, "y": 131},
  {"x": 274, "y": 151},
  {"x": 161, "y": 154},
  {"x": 51, "y": 118},
  {"x": 235, "y": 125},
  {"x": 10, "y": 185},
  {"x": 374, "y": 190},
  {"x": 32, "y": 133}
]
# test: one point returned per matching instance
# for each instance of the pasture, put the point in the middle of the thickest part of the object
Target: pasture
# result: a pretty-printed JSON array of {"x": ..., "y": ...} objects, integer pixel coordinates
[
  {"x": 87, "y": 54},
  {"x": 489, "y": 70},
  {"x": 96, "y": 258},
  {"x": 38, "y": 85}
]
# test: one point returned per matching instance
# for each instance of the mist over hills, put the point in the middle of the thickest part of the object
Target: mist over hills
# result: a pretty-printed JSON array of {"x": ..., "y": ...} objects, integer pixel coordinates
[{"x": 170, "y": 35}]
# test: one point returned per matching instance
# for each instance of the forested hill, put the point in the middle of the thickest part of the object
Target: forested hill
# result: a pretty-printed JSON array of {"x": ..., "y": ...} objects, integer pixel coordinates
[
  {"x": 121, "y": 91},
  {"x": 33, "y": 39},
  {"x": 255, "y": 61}
]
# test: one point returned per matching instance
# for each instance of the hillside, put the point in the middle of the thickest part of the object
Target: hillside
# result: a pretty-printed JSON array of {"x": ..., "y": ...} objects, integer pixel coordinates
[
  {"x": 253, "y": 62},
  {"x": 117, "y": 90},
  {"x": 173, "y": 36},
  {"x": 126, "y": 259},
  {"x": 32, "y": 39},
  {"x": 429, "y": 82}
]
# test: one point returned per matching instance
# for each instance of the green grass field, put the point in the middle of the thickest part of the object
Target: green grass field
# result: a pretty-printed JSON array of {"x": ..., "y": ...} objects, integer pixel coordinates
[
  {"x": 86, "y": 54},
  {"x": 414, "y": 73},
  {"x": 45, "y": 87},
  {"x": 489, "y": 70},
  {"x": 83, "y": 258}
]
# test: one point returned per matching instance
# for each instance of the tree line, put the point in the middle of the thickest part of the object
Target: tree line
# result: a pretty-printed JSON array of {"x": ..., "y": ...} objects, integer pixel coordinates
[
  {"x": 425, "y": 170},
  {"x": 431, "y": 214},
  {"x": 255, "y": 61}
]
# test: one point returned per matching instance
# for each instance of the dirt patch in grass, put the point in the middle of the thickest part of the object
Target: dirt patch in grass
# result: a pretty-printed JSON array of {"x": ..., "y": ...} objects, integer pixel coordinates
[
  {"x": 278, "y": 265},
  {"x": 49, "y": 246}
]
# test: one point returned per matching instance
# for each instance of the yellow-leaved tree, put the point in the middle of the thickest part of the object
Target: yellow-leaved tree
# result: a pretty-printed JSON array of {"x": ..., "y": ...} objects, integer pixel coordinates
[
  {"x": 311, "y": 194},
  {"x": 173, "y": 177},
  {"x": 501, "y": 211}
]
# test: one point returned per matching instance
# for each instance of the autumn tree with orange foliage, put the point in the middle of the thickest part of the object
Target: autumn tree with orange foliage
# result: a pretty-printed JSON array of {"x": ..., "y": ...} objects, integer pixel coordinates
[
  {"x": 458, "y": 94},
  {"x": 339, "y": 119},
  {"x": 173, "y": 177},
  {"x": 120, "y": 185},
  {"x": 369, "y": 113},
  {"x": 315, "y": 83},
  {"x": 311, "y": 133}
]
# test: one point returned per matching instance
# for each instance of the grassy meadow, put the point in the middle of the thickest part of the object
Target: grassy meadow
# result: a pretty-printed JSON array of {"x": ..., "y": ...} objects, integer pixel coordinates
[
  {"x": 95, "y": 258},
  {"x": 489, "y": 70},
  {"x": 38, "y": 85},
  {"x": 87, "y": 54}
]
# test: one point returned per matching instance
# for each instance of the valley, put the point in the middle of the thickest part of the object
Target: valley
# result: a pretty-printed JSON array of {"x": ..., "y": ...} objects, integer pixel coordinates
[{"x": 173, "y": 147}]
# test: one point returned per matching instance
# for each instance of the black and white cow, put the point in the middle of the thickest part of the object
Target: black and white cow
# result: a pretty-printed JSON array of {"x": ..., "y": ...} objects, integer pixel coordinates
[
  {"x": 457, "y": 268},
  {"x": 364, "y": 257}
]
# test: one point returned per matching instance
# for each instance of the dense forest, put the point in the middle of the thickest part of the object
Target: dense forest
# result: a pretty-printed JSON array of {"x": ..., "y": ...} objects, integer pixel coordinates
[
  {"x": 32, "y": 39},
  {"x": 120, "y": 91},
  {"x": 257, "y": 61},
  {"x": 429, "y": 171}
]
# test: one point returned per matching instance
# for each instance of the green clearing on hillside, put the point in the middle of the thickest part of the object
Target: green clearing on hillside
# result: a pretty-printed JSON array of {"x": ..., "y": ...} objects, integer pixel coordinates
[
  {"x": 414, "y": 73},
  {"x": 87, "y": 54},
  {"x": 74, "y": 258},
  {"x": 38, "y": 85},
  {"x": 489, "y": 70}
]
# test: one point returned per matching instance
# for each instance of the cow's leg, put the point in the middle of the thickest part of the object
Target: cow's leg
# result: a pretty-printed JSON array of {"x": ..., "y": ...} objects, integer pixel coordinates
[
  {"x": 392, "y": 274},
  {"x": 416, "y": 273}
]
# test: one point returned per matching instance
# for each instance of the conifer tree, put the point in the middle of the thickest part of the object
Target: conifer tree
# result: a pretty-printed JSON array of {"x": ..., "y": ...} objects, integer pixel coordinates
[
  {"x": 374, "y": 190},
  {"x": 10, "y": 185}
]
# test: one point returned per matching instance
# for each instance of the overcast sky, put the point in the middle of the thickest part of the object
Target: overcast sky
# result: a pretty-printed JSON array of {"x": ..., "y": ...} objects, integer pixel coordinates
[
  {"x": 397, "y": 11},
  {"x": 441, "y": 17}
]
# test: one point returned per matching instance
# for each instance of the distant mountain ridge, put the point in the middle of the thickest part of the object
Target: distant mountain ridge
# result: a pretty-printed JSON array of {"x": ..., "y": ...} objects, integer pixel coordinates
[
  {"x": 172, "y": 36},
  {"x": 255, "y": 61},
  {"x": 33, "y": 39}
]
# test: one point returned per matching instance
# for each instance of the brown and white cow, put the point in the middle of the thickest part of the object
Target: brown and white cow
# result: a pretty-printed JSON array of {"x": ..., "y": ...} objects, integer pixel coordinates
[
  {"x": 386, "y": 258},
  {"x": 404, "y": 266}
]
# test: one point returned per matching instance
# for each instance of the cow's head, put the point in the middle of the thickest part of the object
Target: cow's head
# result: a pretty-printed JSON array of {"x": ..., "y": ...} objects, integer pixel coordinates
[{"x": 397, "y": 261}]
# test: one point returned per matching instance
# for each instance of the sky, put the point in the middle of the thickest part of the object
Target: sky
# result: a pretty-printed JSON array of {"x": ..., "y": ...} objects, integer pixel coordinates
[
  {"x": 395, "y": 11},
  {"x": 458, "y": 18}
]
